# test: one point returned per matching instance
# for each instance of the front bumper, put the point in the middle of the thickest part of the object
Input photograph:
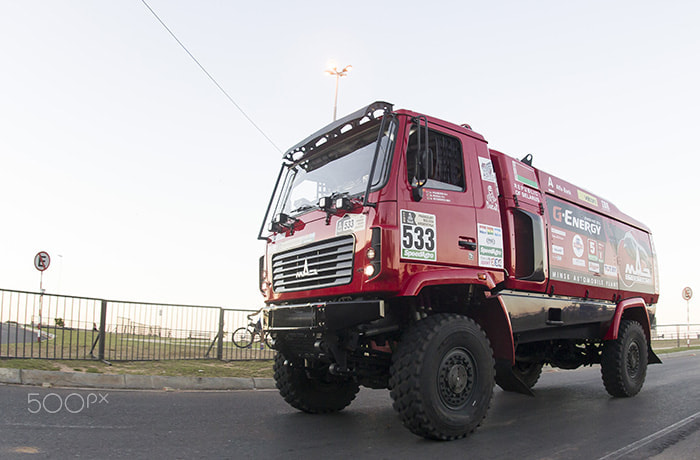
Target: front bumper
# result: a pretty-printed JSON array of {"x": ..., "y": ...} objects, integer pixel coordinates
[{"x": 322, "y": 316}]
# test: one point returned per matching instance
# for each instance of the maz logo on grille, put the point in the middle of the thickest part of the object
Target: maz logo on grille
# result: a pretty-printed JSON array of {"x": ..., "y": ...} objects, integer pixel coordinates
[{"x": 306, "y": 272}]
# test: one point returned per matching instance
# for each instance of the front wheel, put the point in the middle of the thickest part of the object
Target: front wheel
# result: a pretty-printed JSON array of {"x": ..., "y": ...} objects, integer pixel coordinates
[
  {"x": 242, "y": 338},
  {"x": 623, "y": 363},
  {"x": 312, "y": 390},
  {"x": 442, "y": 377}
]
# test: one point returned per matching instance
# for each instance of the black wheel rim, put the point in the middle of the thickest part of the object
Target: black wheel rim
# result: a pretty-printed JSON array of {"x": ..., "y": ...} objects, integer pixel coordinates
[
  {"x": 633, "y": 360},
  {"x": 456, "y": 378}
]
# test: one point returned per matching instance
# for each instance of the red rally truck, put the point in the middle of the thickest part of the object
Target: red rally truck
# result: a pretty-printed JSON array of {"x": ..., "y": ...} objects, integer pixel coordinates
[{"x": 403, "y": 253}]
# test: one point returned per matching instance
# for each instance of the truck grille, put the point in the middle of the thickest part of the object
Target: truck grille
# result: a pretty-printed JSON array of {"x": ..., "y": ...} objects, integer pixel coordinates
[{"x": 318, "y": 265}]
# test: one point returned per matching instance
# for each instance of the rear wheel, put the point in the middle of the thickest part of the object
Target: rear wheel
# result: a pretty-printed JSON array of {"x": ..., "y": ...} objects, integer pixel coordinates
[
  {"x": 314, "y": 391},
  {"x": 623, "y": 363},
  {"x": 442, "y": 377},
  {"x": 268, "y": 339},
  {"x": 242, "y": 338}
]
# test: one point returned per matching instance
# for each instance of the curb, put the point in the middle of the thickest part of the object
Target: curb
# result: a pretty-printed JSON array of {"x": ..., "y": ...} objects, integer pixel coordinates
[{"x": 130, "y": 381}]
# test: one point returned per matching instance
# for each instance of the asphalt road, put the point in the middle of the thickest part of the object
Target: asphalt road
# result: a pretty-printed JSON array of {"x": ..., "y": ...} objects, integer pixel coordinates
[
  {"x": 571, "y": 417},
  {"x": 13, "y": 333}
]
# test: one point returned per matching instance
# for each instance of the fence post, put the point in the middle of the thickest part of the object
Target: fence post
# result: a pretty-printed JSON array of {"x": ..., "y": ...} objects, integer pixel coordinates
[
  {"x": 220, "y": 344},
  {"x": 103, "y": 331}
]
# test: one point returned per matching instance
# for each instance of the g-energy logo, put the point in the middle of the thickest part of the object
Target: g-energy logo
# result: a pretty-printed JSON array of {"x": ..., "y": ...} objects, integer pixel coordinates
[{"x": 570, "y": 219}]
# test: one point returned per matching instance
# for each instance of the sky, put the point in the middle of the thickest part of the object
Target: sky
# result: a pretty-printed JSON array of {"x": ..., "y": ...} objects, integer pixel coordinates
[{"x": 122, "y": 160}]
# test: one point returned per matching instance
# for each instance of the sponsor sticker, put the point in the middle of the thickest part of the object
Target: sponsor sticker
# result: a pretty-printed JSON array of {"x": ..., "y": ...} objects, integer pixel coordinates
[
  {"x": 557, "y": 187},
  {"x": 350, "y": 223},
  {"x": 490, "y": 246},
  {"x": 588, "y": 198},
  {"x": 418, "y": 236},
  {"x": 635, "y": 262},
  {"x": 491, "y": 200},
  {"x": 576, "y": 219},
  {"x": 487, "y": 172}
]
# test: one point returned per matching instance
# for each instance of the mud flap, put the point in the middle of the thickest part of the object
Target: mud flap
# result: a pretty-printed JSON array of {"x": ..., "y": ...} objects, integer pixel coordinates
[
  {"x": 506, "y": 379},
  {"x": 653, "y": 359}
]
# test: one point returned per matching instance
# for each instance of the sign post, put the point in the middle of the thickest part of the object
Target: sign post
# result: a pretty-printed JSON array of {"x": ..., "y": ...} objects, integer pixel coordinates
[
  {"x": 687, "y": 295},
  {"x": 41, "y": 263}
]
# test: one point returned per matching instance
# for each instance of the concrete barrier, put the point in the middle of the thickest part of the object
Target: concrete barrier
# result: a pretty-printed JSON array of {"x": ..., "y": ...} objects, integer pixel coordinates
[
  {"x": 10, "y": 375},
  {"x": 130, "y": 381}
]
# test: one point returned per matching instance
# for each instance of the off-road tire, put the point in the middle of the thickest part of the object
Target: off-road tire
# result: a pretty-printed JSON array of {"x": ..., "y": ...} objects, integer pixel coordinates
[
  {"x": 315, "y": 396},
  {"x": 528, "y": 373},
  {"x": 623, "y": 363},
  {"x": 442, "y": 377}
]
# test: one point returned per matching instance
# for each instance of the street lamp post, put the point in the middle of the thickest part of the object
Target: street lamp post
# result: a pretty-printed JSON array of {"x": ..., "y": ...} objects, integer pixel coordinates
[{"x": 337, "y": 73}]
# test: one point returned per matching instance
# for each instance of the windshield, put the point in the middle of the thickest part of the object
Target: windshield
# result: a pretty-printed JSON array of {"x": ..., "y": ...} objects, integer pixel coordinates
[{"x": 341, "y": 168}]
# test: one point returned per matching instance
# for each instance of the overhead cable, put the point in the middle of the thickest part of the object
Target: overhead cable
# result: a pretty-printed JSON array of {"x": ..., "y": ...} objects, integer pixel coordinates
[{"x": 210, "y": 77}]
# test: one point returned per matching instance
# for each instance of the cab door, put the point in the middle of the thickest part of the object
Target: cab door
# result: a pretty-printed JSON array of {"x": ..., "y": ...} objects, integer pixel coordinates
[{"x": 439, "y": 227}]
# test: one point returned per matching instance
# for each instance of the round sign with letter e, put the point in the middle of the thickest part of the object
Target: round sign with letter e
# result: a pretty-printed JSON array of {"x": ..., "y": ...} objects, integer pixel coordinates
[
  {"x": 42, "y": 261},
  {"x": 687, "y": 293}
]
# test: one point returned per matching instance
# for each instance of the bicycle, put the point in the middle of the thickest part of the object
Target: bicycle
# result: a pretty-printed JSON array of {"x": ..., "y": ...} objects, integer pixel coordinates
[{"x": 243, "y": 337}]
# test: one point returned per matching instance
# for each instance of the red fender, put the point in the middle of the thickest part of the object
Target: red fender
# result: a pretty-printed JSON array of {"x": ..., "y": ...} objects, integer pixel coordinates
[
  {"x": 634, "y": 308},
  {"x": 465, "y": 276},
  {"x": 493, "y": 318}
]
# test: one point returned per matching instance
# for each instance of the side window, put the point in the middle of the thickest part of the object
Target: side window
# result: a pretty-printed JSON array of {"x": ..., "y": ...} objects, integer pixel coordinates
[{"x": 447, "y": 164}]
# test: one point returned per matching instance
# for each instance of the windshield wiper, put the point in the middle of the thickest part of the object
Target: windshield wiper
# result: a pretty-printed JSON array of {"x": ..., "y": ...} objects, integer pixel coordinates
[{"x": 301, "y": 208}]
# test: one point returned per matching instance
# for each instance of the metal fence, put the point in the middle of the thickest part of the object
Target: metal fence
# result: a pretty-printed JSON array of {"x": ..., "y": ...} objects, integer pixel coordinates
[
  {"x": 36, "y": 325},
  {"x": 675, "y": 335}
]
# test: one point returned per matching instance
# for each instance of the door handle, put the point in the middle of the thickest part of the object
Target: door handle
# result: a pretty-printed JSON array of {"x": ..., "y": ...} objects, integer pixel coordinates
[{"x": 470, "y": 245}]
